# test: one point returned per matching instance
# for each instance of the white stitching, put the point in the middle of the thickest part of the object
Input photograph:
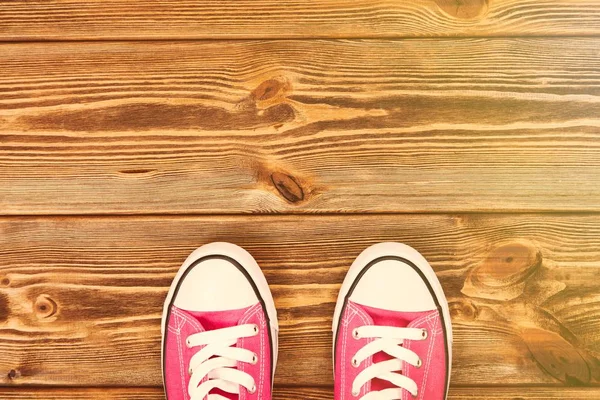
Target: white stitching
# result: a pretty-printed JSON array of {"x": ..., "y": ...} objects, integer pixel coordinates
[
  {"x": 262, "y": 362},
  {"x": 181, "y": 367},
  {"x": 183, "y": 318},
  {"x": 421, "y": 319},
  {"x": 344, "y": 342},
  {"x": 249, "y": 314},
  {"x": 366, "y": 320},
  {"x": 186, "y": 318},
  {"x": 431, "y": 345}
]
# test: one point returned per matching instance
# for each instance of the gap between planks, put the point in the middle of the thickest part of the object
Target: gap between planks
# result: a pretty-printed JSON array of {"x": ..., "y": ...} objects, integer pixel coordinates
[{"x": 294, "y": 393}]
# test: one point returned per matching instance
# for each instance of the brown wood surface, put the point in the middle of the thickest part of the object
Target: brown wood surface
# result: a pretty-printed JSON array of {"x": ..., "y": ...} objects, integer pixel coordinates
[
  {"x": 469, "y": 129},
  {"x": 251, "y": 126},
  {"x": 122, "y": 19},
  {"x": 81, "y": 297},
  {"x": 484, "y": 393}
]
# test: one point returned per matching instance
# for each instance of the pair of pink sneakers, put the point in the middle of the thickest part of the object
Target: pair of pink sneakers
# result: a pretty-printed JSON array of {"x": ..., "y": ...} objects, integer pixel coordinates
[{"x": 391, "y": 327}]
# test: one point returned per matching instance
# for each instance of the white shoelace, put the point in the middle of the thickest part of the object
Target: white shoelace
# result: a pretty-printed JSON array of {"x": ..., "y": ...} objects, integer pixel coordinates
[
  {"x": 390, "y": 341},
  {"x": 218, "y": 361}
]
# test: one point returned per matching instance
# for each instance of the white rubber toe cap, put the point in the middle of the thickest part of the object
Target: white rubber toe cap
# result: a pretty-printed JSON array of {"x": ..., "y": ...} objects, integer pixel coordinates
[
  {"x": 219, "y": 276},
  {"x": 215, "y": 284},
  {"x": 393, "y": 285},
  {"x": 398, "y": 278}
]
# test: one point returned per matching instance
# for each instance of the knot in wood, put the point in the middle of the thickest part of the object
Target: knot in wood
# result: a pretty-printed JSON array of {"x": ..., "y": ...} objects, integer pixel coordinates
[
  {"x": 13, "y": 374},
  {"x": 464, "y": 310},
  {"x": 45, "y": 307},
  {"x": 504, "y": 272},
  {"x": 464, "y": 9},
  {"x": 288, "y": 187},
  {"x": 559, "y": 358},
  {"x": 270, "y": 89}
]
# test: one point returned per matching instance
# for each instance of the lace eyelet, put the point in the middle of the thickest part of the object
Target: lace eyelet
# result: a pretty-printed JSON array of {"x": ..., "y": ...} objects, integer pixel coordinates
[
  {"x": 252, "y": 390},
  {"x": 188, "y": 344},
  {"x": 355, "y": 334},
  {"x": 254, "y": 359},
  {"x": 355, "y": 393},
  {"x": 190, "y": 371},
  {"x": 355, "y": 363},
  {"x": 419, "y": 363},
  {"x": 256, "y": 330},
  {"x": 424, "y": 334}
]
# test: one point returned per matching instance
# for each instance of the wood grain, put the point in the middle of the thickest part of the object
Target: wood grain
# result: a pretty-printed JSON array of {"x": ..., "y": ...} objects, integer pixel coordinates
[
  {"x": 81, "y": 298},
  {"x": 255, "y": 126},
  {"x": 484, "y": 393},
  {"x": 151, "y": 19}
]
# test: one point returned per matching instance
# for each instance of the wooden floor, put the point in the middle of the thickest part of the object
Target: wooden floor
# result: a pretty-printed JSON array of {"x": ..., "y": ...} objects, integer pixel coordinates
[{"x": 132, "y": 132}]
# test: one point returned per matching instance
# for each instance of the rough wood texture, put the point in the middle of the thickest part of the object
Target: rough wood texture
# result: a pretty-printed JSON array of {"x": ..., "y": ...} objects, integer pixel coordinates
[
  {"x": 485, "y": 393},
  {"x": 81, "y": 298},
  {"x": 151, "y": 19},
  {"x": 256, "y": 126}
]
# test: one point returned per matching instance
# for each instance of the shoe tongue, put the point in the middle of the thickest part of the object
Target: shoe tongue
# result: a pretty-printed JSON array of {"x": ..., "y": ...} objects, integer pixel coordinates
[{"x": 211, "y": 320}]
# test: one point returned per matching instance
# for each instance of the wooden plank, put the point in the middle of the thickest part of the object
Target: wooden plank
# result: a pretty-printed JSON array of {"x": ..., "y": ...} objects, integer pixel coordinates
[
  {"x": 300, "y": 126},
  {"x": 80, "y": 296},
  {"x": 120, "y": 19},
  {"x": 485, "y": 393}
]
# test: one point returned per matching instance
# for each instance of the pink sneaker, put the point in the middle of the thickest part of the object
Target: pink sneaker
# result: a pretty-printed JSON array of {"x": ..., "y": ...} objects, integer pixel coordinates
[
  {"x": 392, "y": 332},
  {"x": 219, "y": 328}
]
